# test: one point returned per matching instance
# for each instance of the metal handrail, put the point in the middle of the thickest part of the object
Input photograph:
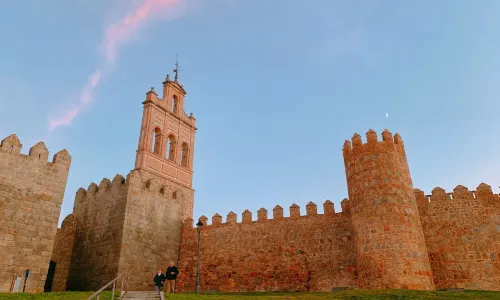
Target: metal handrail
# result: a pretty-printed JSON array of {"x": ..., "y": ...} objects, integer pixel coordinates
[{"x": 122, "y": 276}]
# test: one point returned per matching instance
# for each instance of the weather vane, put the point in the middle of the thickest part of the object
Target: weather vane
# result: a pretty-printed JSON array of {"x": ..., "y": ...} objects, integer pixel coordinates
[{"x": 177, "y": 69}]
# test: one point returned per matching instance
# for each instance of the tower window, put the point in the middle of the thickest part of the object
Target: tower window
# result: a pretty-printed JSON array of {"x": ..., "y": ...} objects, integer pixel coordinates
[
  {"x": 172, "y": 145},
  {"x": 184, "y": 155},
  {"x": 156, "y": 141},
  {"x": 175, "y": 104},
  {"x": 174, "y": 195}
]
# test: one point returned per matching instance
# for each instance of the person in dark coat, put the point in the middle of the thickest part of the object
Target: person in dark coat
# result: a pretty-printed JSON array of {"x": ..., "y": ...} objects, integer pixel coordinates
[
  {"x": 171, "y": 276},
  {"x": 159, "y": 280}
]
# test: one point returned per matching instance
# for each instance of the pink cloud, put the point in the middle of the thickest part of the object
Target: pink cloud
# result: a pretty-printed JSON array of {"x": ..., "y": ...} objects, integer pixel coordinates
[
  {"x": 87, "y": 92},
  {"x": 66, "y": 119},
  {"x": 122, "y": 31}
]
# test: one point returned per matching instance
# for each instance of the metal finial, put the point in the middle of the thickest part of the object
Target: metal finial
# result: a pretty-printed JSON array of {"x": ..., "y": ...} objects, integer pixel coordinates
[{"x": 177, "y": 69}]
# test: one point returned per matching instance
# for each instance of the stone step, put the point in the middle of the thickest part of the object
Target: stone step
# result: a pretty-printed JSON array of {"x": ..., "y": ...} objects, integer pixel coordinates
[{"x": 141, "y": 295}]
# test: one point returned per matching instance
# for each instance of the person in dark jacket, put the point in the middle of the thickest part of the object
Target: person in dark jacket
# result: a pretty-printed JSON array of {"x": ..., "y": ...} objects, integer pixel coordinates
[
  {"x": 159, "y": 280},
  {"x": 171, "y": 276}
]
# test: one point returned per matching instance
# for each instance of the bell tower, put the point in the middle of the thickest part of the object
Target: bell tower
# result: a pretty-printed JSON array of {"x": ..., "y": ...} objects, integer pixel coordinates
[
  {"x": 159, "y": 193},
  {"x": 166, "y": 141}
]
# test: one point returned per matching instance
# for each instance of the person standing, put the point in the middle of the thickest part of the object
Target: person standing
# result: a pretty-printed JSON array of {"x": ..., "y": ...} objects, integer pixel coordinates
[
  {"x": 159, "y": 280},
  {"x": 171, "y": 276}
]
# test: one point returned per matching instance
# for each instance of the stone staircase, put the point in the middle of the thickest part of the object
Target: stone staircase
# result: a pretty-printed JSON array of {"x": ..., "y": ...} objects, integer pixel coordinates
[{"x": 143, "y": 295}]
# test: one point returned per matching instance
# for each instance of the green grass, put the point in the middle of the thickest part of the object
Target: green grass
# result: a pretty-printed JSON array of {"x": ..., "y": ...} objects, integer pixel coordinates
[
  {"x": 55, "y": 296},
  {"x": 351, "y": 295}
]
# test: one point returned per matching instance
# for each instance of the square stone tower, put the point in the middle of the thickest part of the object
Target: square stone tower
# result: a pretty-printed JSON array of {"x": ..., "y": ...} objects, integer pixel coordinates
[
  {"x": 135, "y": 222},
  {"x": 160, "y": 194},
  {"x": 31, "y": 194}
]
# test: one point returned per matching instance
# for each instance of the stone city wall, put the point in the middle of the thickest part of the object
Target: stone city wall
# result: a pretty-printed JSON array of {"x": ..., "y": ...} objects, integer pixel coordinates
[
  {"x": 31, "y": 193},
  {"x": 297, "y": 253},
  {"x": 99, "y": 212},
  {"x": 462, "y": 230}
]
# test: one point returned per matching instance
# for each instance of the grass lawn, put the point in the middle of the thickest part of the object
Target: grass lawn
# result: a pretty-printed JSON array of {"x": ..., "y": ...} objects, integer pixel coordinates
[
  {"x": 352, "y": 295},
  {"x": 54, "y": 296}
]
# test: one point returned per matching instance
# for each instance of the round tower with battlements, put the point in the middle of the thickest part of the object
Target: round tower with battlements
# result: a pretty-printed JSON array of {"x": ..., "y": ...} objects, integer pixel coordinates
[{"x": 389, "y": 241}]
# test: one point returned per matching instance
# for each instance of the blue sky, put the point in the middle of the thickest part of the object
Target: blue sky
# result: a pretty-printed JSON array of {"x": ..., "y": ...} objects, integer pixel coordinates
[{"x": 276, "y": 87}]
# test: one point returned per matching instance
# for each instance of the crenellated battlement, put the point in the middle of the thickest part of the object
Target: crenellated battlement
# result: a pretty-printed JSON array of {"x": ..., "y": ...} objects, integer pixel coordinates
[
  {"x": 97, "y": 197},
  {"x": 33, "y": 171},
  {"x": 278, "y": 215},
  {"x": 356, "y": 145},
  {"x": 11, "y": 145},
  {"x": 482, "y": 194},
  {"x": 152, "y": 185},
  {"x": 104, "y": 186}
]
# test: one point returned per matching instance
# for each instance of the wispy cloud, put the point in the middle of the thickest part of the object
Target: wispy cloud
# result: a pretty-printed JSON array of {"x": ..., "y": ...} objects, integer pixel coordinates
[
  {"x": 128, "y": 26},
  {"x": 88, "y": 90},
  {"x": 115, "y": 36},
  {"x": 66, "y": 119}
]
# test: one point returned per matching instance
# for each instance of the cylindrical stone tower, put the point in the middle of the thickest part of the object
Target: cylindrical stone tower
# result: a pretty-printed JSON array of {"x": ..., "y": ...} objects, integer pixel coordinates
[{"x": 389, "y": 241}]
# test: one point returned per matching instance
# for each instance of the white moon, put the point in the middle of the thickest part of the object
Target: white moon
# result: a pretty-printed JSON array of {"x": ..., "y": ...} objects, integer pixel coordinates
[{"x": 386, "y": 115}]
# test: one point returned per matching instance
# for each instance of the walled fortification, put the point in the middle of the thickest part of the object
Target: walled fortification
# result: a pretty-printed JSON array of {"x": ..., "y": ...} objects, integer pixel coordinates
[
  {"x": 462, "y": 230},
  {"x": 312, "y": 252},
  {"x": 31, "y": 193},
  {"x": 63, "y": 250},
  {"x": 388, "y": 237}
]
